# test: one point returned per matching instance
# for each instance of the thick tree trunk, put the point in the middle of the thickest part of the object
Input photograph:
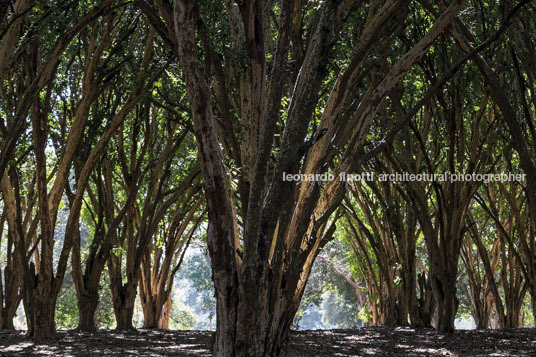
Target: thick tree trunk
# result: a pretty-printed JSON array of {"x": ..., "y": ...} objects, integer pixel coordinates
[
  {"x": 152, "y": 310},
  {"x": 124, "y": 298},
  {"x": 41, "y": 287},
  {"x": 40, "y": 315},
  {"x": 514, "y": 311},
  {"x": 87, "y": 307},
  {"x": 163, "y": 321},
  {"x": 87, "y": 287},
  {"x": 262, "y": 336},
  {"x": 419, "y": 315},
  {"x": 123, "y": 317},
  {"x": 152, "y": 292},
  {"x": 447, "y": 302},
  {"x": 43, "y": 326},
  {"x": 258, "y": 285},
  {"x": 87, "y": 284},
  {"x": 254, "y": 319},
  {"x": 425, "y": 303},
  {"x": 11, "y": 276},
  {"x": 417, "y": 308},
  {"x": 480, "y": 316},
  {"x": 481, "y": 305},
  {"x": 10, "y": 297},
  {"x": 375, "y": 321},
  {"x": 123, "y": 295},
  {"x": 124, "y": 310},
  {"x": 393, "y": 308},
  {"x": 150, "y": 316},
  {"x": 6, "y": 319}
]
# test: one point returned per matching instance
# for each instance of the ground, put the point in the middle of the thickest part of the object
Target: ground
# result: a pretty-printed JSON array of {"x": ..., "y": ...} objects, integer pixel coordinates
[{"x": 377, "y": 341}]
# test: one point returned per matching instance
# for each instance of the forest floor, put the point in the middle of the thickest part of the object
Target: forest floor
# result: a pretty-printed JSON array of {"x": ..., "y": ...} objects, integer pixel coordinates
[{"x": 374, "y": 341}]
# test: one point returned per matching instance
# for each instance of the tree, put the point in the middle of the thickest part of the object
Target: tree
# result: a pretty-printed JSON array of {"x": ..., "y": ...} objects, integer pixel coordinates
[
  {"x": 483, "y": 287},
  {"x": 60, "y": 121},
  {"x": 11, "y": 279},
  {"x": 165, "y": 187},
  {"x": 382, "y": 229},
  {"x": 164, "y": 257},
  {"x": 41, "y": 285},
  {"x": 264, "y": 258}
]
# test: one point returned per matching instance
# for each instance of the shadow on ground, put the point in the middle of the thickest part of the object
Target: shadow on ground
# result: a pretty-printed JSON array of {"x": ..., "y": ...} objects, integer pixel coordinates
[{"x": 377, "y": 341}]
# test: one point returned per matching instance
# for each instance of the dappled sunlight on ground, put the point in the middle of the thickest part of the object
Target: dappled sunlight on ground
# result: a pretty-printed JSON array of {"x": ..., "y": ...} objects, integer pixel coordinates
[
  {"x": 391, "y": 341},
  {"x": 374, "y": 341},
  {"x": 110, "y": 343}
]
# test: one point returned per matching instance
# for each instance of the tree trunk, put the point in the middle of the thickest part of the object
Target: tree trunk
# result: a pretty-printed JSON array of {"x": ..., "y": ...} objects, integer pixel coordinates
[
  {"x": 40, "y": 285},
  {"x": 152, "y": 310},
  {"x": 150, "y": 316},
  {"x": 123, "y": 297},
  {"x": 123, "y": 318},
  {"x": 260, "y": 335},
  {"x": 156, "y": 279},
  {"x": 393, "y": 309},
  {"x": 447, "y": 302},
  {"x": 514, "y": 310},
  {"x": 418, "y": 309},
  {"x": 259, "y": 274},
  {"x": 10, "y": 292},
  {"x": 124, "y": 309},
  {"x": 424, "y": 310},
  {"x": 163, "y": 321},
  {"x": 87, "y": 307},
  {"x": 40, "y": 311},
  {"x": 6, "y": 319},
  {"x": 87, "y": 284},
  {"x": 480, "y": 316},
  {"x": 42, "y": 324}
]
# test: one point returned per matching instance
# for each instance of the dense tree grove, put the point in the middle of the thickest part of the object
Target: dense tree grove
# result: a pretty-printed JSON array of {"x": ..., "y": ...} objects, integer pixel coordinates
[{"x": 132, "y": 131}]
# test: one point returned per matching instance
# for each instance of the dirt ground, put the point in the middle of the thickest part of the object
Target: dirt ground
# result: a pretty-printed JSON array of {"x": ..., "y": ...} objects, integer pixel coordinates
[{"x": 378, "y": 341}]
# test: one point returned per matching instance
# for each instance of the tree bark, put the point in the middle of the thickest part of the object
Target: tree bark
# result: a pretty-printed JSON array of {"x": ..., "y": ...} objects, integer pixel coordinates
[
  {"x": 10, "y": 302},
  {"x": 11, "y": 277},
  {"x": 123, "y": 298},
  {"x": 87, "y": 306},
  {"x": 161, "y": 264},
  {"x": 163, "y": 321},
  {"x": 259, "y": 279}
]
